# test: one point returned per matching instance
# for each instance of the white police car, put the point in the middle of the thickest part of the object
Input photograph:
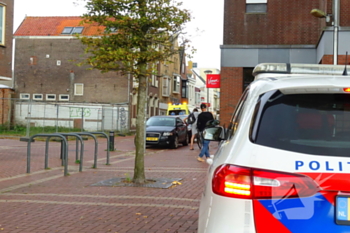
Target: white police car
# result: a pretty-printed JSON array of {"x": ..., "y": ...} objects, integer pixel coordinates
[{"x": 284, "y": 161}]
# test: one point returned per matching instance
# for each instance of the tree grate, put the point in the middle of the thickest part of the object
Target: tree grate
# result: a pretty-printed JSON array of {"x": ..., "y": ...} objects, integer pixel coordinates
[{"x": 163, "y": 183}]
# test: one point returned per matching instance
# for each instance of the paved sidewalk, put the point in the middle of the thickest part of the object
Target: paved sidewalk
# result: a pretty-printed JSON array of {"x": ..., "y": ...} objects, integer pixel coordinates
[{"x": 47, "y": 201}]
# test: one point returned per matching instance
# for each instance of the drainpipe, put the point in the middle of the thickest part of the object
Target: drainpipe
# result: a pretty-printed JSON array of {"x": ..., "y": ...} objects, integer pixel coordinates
[{"x": 71, "y": 85}]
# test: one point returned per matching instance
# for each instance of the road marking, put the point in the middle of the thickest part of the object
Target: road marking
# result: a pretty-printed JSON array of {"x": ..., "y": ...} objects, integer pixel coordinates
[
  {"x": 101, "y": 196},
  {"x": 99, "y": 204},
  {"x": 154, "y": 170},
  {"x": 8, "y": 189}
]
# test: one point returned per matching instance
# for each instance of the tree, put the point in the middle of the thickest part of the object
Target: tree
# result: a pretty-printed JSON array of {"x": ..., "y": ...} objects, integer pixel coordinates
[{"x": 137, "y": 34}]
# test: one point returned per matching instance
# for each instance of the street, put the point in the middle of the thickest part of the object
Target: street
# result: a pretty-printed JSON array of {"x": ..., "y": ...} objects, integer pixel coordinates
[{"x": 48, "y": 201}]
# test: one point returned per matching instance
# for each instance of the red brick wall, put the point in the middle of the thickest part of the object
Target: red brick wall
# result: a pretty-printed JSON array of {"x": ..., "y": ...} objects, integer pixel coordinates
[
  {"x": 286, "y": 22},
  {"x": 328, "y": 59},
  {"x": 44, "y": 76},
  {"x": 230, "y": 92},
  {"x": 5, "y": 106},
  {"x": 6, "y": 50}
]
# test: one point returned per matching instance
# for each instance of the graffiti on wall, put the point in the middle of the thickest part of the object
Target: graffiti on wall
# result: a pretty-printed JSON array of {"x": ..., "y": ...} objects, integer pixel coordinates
[
  {"x": 123, "y": 123},
  {"x": 79, "y": 112}
]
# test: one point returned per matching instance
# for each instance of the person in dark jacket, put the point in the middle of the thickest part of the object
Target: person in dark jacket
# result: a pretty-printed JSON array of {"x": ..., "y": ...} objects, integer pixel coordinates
[{"x": 202, "y": 120}]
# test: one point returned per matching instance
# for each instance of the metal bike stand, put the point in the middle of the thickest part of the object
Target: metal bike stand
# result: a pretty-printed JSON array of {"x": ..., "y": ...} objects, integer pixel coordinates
[
  {"x": 65, "y": 149},
  {"x": 96, "y": 145},
  {"x": 78, "y": 137},
  {"x": 108, "y": 141}
]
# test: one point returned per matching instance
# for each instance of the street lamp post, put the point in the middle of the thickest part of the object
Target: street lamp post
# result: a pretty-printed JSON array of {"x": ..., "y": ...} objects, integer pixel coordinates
[
  {"x": 336, "y": 9},
  {"x": 320, "y": 14},
  {"x": 206, "y": 82}
]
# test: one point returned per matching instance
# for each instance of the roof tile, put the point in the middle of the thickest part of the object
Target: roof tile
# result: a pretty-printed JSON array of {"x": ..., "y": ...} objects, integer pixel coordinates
[{"x": 53, "y": 26}]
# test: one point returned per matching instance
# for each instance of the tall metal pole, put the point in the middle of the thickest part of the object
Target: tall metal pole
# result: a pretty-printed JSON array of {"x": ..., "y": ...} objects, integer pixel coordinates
[
  {"x": 207, "y": 95},
  {"x": 336, "y": 11},
  {"x": 206, "y": 83}
]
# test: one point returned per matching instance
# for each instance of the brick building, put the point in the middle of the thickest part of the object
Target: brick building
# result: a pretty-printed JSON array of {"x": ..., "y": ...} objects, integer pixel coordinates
[
  {"x": 46, "y": 56},
  {"x": 6, "y": 35},
  {"x": 46, "y": 74},
  {"x": 257, "y": 31}
]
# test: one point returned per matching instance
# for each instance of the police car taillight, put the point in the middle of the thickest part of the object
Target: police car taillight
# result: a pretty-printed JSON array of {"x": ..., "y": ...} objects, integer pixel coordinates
[
  {"x": 346, "y": 89},
  {"x": 249, "y": 183}
]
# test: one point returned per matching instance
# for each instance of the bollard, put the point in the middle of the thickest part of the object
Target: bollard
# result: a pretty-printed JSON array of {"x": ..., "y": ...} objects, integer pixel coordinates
[{"x": 111, "y": 140}]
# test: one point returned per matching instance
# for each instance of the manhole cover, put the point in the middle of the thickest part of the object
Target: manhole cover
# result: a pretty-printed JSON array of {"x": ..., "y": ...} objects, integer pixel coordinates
[{"x": 163, "y": 183}]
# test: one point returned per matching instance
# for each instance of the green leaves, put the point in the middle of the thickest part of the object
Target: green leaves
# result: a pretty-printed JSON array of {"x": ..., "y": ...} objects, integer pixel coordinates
[{"x": 136, "y": 31}]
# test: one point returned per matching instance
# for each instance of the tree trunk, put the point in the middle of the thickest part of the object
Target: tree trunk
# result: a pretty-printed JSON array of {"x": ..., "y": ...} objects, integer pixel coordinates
[{"x": 139, "y": 169}]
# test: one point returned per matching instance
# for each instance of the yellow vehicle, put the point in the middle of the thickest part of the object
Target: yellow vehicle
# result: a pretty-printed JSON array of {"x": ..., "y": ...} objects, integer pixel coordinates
[{"x": 178, "y": 109}]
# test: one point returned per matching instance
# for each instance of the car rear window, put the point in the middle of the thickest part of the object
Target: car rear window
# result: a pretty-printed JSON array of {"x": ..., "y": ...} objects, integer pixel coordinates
[{"x": 308, "y": 123}]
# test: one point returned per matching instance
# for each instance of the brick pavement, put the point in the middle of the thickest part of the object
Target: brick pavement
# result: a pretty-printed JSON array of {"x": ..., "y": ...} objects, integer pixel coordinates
[{"x": 47, "y": 201}]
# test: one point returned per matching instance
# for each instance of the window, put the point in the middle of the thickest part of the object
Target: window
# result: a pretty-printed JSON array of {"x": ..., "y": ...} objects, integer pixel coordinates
[
  {"x": 237, "y": 115},
  {"x": 78, "y": 89},
  {"x": 306, "y": 123},
  {"x": 2, "y": 24},
  {"x": 165, "y": 88},
  {"x": 50, "y": 97},
  {"x": 64, "y": 97},
  {"x": 256, "y": 6},
  {"x": 24, "y": 96},
  {"x": 67, "y": 30},
  {"x": 154, "y": 76},
  {"x": 72, "y": 30},
  {"x": 37, "y": 96},
  {"x": 176, "y": 84},
  {"x": 197, "y": 97},
  {"x": 111, "y": 30},
  {"x": 184, "y": 92},
  {"x": 77, "y": 30},
  {"x": 33, "y": 60}
]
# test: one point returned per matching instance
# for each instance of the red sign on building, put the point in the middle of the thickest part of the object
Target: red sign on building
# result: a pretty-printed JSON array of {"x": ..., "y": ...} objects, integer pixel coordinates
[{"x": 213, "y": 80}]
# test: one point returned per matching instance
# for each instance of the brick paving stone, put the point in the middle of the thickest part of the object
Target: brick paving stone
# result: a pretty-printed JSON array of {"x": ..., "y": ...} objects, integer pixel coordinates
[{"x": 47, "y": 201}]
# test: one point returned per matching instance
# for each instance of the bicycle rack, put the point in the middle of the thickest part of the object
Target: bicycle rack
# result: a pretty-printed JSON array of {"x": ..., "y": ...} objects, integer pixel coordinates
[
  {"x": 65, "y": 149},
  {"x": 78, "y": 137},
  {"x": 102, "y": 133},
  {"x": 96, "y": 145}
]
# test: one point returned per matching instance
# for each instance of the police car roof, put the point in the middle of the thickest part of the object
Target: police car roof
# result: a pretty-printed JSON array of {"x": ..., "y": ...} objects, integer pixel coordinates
[
  {"x": 299, "y": 78},
  {"x": 291, "y": 68}
]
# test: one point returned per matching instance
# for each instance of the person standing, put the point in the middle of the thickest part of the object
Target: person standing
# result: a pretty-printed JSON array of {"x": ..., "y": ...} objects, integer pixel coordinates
[
  {"x": 195, "y": 114},
  {"x": 202, "y": 120}
]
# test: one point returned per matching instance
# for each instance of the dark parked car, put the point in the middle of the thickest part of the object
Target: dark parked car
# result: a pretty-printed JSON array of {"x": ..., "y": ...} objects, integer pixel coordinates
[{"x": 166, "y": 131}]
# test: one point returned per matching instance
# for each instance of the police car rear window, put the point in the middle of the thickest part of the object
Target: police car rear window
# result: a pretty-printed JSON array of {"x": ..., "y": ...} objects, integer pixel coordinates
[{"x": 316, "y": 124}]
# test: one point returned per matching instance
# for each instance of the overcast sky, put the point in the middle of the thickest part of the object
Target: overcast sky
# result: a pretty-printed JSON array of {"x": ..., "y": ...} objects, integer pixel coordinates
[{"x": 206, "y": 29}]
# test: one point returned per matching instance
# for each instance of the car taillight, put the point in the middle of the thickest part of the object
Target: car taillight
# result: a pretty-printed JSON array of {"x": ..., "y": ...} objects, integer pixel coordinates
[{"x": 250, "y": 183}]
